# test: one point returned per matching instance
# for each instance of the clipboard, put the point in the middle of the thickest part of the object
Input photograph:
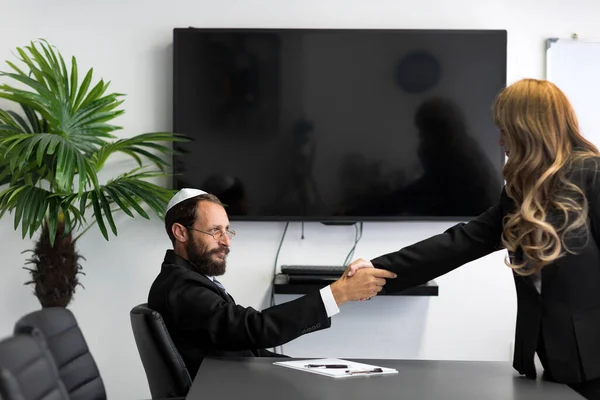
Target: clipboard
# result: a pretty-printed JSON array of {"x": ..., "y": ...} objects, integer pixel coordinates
[{"x": 354, "y": 369}]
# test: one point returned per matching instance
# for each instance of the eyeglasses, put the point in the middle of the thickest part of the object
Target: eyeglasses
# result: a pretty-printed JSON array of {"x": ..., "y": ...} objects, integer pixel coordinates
[{"x": 217, "y": 234}]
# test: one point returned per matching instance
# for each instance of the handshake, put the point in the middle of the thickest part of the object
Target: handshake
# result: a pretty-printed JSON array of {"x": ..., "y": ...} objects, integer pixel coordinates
[{"x": 360, "y": 281}]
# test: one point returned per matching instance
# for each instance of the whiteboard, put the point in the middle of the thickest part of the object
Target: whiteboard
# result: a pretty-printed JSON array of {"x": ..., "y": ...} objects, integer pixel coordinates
[{"x": 574, "y": 66}]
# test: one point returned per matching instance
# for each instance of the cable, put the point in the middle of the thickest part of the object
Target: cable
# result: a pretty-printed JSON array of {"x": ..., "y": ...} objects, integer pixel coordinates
[
  {"x": 351, "y": 252},
  {"x": 287, "y": 224},
  {"x": 357, "y": 236},
  {"x": 302, "y": 236}
]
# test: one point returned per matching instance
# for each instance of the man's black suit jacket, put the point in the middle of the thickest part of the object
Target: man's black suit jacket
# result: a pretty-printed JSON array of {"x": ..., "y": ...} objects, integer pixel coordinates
[
  {"x": 203, "y": 320},
  {"x": 563, "y": 322}
]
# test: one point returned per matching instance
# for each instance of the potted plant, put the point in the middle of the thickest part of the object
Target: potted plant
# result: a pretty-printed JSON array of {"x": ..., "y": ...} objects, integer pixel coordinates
[{"x": 50, "y": 157}]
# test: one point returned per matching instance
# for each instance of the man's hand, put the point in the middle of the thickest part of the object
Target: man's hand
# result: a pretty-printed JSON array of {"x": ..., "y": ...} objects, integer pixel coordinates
[
  {"x": 366, "y": 283},
  {"x": 358, "y": 264}
]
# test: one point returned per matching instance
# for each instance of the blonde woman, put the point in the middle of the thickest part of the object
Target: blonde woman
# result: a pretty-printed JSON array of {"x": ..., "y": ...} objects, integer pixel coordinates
[{"x": 548, "y": 218}]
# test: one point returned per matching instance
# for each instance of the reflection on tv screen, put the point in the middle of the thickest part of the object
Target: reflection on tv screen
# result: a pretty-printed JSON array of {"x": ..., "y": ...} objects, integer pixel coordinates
[{"x": 334, "y": 125}]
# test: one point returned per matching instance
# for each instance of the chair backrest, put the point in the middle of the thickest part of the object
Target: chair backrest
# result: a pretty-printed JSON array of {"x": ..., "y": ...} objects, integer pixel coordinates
[
  {"x": 27, "y": 370},
  {"x": 166, "y": 372},
  {"x": 76, "y": 366}
]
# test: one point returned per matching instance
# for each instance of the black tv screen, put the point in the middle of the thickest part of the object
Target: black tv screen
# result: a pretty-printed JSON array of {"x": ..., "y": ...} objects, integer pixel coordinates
[{"x": 340, "y": 125}]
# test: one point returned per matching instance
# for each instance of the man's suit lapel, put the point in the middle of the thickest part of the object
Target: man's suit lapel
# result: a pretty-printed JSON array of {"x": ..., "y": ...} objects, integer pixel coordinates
[{"x": 226, "y": 296}]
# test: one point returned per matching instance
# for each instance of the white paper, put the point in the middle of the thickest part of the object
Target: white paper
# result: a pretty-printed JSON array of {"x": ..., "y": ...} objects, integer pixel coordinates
[{"x": 336, "y": 372}]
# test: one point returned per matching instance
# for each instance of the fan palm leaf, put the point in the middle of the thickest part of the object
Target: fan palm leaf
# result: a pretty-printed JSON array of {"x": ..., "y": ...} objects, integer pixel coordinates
[{"x": 52, "y": 152}]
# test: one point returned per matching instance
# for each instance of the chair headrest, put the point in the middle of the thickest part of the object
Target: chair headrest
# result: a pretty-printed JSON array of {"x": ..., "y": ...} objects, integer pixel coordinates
[
  {"x": 143, "y": 309},
  {"x": 49, "y": 321}
]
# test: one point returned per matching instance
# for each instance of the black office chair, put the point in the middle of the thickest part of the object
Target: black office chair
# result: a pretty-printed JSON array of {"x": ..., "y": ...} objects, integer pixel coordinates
[
  {"x": 165, "y": 370},
  {"x": 27, "y": 370},
  {"x": 76, "y": 366}
]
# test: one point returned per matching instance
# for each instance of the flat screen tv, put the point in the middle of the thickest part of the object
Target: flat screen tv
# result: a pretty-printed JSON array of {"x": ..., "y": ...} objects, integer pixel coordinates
[{"x": 340, "y": 125}]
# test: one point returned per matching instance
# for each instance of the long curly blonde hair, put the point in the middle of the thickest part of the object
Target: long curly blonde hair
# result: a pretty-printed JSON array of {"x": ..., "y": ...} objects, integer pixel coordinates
[{"x": 542, "y": 134}]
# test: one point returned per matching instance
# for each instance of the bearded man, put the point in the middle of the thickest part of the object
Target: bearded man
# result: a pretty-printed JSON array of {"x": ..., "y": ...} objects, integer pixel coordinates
[{"x": 201, "y": 315}]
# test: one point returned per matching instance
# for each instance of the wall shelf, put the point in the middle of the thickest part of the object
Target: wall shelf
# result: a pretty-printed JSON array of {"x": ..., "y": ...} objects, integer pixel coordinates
[{"x": 282, "y": 285}]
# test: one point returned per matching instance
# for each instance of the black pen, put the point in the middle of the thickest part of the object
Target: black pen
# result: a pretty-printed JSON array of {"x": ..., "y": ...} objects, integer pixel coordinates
[{"x": 326, "y": 366}]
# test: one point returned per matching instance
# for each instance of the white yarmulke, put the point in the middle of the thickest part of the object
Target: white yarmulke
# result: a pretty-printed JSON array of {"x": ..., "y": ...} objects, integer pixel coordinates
[{"x": 183, "y": 195}]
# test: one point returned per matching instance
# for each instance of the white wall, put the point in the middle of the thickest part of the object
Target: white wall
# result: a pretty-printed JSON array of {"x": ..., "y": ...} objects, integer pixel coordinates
[{"x": 128, "y": 42}]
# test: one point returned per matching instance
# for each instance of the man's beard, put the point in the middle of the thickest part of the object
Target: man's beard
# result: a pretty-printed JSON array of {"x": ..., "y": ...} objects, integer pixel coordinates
[{"x": 203, "y": 260}]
